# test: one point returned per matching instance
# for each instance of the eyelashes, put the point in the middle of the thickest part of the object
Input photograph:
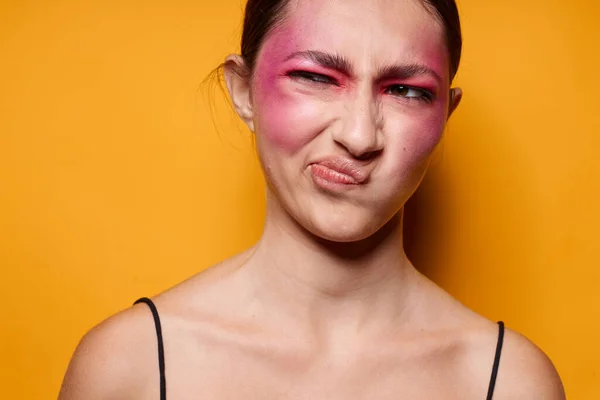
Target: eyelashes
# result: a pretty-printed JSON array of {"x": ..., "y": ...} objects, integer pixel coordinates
[
  {"x": 405, "y": 92},
  {"x": 312, "y": 77},
  {"x": 410, "y": 92}
]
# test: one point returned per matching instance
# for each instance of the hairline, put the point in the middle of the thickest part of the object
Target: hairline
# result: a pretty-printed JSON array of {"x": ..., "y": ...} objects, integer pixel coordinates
[{"x": 283, "y": 16}]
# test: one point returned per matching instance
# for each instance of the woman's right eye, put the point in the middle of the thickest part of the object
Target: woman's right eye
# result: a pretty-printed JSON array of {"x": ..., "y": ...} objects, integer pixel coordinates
[{"x": 312, "y": 77}]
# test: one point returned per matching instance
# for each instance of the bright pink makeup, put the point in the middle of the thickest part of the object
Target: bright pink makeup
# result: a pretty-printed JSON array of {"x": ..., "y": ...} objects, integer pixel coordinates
[{"x": 287, "y": 102}]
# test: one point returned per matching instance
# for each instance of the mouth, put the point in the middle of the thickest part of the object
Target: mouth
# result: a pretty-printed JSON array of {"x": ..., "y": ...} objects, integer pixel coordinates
[{"x": 338, "y": 173}]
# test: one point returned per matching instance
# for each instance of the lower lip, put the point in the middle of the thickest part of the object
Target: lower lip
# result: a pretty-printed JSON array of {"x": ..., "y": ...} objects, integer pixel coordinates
[{"x": 330, "y": 179}]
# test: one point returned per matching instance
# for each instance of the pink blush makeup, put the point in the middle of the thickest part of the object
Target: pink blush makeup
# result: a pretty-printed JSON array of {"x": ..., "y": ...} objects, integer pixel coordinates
[{"x": 287, "y": 116}]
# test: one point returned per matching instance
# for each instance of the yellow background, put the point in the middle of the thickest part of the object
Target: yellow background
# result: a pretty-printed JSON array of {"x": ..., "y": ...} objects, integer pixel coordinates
[{"x": 115, "y": 184}]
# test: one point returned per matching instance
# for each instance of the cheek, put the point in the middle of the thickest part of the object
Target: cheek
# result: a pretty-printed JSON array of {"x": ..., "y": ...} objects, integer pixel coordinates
[
  {"x": 412, "y": 140},
  {"x": 284, "y": 118},
  {"x": 424, "y": 137}
]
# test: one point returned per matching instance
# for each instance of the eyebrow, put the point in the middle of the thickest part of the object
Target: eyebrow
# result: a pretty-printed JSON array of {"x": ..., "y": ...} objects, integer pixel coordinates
[
  {"x": 326, "y": 60},
  {"x": 343, "y": 65}
]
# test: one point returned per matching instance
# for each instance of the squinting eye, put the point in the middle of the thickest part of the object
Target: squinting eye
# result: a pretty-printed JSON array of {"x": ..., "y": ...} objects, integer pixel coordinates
[
  {"x": 410, "y": 92},
  {"x": 311, "y": 76}
]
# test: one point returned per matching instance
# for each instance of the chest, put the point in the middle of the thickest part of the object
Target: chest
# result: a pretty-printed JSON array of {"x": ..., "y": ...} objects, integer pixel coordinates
[{"x": 368, "y": 380}]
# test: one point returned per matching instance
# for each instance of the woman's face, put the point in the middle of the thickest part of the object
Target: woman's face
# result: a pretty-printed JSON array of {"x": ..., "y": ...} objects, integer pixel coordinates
[{"x": 349, "y": 99}]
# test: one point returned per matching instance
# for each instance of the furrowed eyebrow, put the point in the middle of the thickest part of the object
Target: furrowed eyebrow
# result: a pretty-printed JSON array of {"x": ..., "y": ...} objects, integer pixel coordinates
[
  {"x": 340, "y": 63},
  {"x": 405, "y": 71},
  {"x": 326, "y": 60}
]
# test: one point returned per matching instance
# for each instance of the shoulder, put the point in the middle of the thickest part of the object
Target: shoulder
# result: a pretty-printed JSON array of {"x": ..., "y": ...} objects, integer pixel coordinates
[
  {"x": 115, "y": 359},
  {"x": 118, "y": 358},
  {"x": 526, "y": 372}
]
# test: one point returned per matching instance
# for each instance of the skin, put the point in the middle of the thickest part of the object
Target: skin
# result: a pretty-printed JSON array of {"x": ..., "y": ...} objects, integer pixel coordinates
[{"x": 326, "y": 305}]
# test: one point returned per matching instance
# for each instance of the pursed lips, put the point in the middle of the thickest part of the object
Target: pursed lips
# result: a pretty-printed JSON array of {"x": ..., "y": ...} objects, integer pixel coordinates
[{"x": 341, "y": 170}]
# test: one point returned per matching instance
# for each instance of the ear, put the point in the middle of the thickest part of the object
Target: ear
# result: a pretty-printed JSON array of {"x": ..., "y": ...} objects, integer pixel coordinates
[
  {"x": 455, "y": 98},
  {"x": 238, "y": 85}
]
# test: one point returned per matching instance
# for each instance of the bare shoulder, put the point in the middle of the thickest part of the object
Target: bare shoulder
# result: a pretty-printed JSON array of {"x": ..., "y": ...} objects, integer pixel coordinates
[
  {"x": 526, "y": 372},
  {"x": 115, "y": 359}
]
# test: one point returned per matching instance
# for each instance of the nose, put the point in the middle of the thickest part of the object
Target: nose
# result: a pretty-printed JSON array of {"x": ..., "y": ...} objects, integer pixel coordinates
[{"x": 360, "y": 132}]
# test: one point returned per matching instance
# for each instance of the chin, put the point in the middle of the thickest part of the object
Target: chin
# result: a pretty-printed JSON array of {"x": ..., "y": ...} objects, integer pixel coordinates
[{"x": 344, "y": 228}]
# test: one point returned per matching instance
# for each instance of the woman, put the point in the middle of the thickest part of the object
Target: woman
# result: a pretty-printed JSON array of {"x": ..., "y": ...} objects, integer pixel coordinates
[{"x": 348, "y": 99}]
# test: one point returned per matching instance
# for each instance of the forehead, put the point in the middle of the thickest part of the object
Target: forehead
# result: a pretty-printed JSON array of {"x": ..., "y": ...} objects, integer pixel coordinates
[{"x": 370, "y": 33}]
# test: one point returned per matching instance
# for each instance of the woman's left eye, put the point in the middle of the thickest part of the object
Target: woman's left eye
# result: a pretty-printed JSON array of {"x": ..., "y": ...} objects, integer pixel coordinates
[{"x": 410, "y": 93}]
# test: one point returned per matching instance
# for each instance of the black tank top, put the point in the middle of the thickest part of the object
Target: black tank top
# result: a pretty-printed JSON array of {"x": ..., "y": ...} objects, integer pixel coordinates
[{"x": 161, "y": 352}]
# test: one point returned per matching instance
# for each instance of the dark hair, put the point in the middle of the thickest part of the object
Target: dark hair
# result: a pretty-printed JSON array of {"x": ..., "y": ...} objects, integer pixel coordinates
[{"x": 262, "y": 16}]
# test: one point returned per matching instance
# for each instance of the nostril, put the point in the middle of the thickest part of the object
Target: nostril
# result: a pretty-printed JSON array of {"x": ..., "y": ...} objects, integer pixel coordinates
[{"x": 368, "y": 155}]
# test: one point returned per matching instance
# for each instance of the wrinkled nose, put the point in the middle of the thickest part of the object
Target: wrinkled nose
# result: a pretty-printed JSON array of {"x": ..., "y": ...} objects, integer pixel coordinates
[{"x": 360, "y": 132}]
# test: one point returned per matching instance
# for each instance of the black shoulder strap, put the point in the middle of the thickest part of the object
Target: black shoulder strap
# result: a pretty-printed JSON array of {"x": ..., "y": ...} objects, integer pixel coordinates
[
  {"x": 496, "y": 360},
  {"x": 161, "y": 350}
]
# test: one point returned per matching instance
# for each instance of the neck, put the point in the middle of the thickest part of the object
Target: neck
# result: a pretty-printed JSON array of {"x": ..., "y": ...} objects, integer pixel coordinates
[{"x": 359, "y": 282}]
